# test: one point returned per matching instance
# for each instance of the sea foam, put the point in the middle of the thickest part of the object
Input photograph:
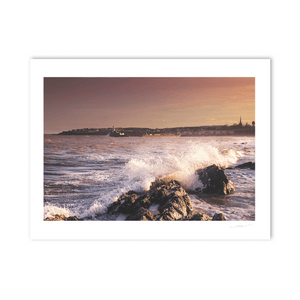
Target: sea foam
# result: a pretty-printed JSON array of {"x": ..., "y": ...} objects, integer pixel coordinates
[
  {"x": 179, "y": 164},
  {"x": 51, "y": 210}
]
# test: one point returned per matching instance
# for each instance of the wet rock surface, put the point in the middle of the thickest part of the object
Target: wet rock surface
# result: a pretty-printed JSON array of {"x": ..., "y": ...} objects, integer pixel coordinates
[
  {"x": 218, "y": 217},
  {"x": 200, "y": 217},
  {"x": 248, "y": 165},
  {"x": 61, "y": 218},
  {"x": 141, "y": 214},
  {"x": 172, "y": 202},
  {"x": 124, "y": 204},
  {"x": 167, "y": 200},
  {"x": 215, "y": 181}
]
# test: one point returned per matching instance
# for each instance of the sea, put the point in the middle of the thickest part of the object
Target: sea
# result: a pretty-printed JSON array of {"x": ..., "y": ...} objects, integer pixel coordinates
[{"x": 85, "y": 174}]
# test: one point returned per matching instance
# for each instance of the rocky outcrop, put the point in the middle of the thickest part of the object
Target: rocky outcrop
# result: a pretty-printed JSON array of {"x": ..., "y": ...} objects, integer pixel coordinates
[
  {"x": 248, "y": 165},
  {"x": 166, "y": 200},
  {"x": 215, "y": 181},
  {"x": 141, "y": 214},
  {"x": 170, "y": 199},
  {"x": 124, "y": 204},
  {"x": 200, "y": 217},
  {"x": 61, "y": 218},
  {"x": 219, "y": 217},
  {"x": 176, "y": 204}
]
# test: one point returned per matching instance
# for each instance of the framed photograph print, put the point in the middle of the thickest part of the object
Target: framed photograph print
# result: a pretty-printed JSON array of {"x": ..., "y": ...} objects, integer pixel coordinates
[{"x": 149, "y": 149}]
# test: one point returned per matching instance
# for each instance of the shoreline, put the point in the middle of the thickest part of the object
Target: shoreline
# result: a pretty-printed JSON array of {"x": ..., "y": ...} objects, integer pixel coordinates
[{"x": 167, "y": 200}]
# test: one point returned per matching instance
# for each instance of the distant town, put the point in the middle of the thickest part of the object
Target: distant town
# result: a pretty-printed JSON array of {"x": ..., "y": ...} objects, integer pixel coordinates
[{"x": 214, "y": 130}]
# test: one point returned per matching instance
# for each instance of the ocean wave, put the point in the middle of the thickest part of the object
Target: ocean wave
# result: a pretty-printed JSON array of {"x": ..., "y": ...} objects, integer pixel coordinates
[{"x": 177, "y": 164}]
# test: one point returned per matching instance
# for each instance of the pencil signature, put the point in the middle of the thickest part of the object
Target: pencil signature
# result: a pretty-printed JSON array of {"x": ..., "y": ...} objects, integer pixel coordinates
[{"x": 236, "y": 226}]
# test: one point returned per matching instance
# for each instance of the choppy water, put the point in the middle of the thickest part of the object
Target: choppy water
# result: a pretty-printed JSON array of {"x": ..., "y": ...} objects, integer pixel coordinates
[{"x": 84, "y": 174}]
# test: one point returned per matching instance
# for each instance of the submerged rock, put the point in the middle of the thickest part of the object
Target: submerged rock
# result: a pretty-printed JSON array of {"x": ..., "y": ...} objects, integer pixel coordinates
[{"x": 215, "y": 180}]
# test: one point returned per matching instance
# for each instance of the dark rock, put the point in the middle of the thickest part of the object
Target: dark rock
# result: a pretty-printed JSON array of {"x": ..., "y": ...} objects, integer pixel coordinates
[
  {"x": 219, "y": 217},
  {"x": 142, "y": 201},
  {"x": 215, "y": 180},
  {"x": 55, "y": 218},
  {"x": 142, "y": 214},
  {"x": 124, "y": 204},
  {"x": 248, "y": 165},
  {"x": 127, "y": 205},
  {"x": 177, "y": 205},
  {"x": 164, "y": 183},
  {"x": 72, "y": 218},
  {"x": 61, "y": 218},
  {"x": 159, "y": 195},
  {"x": 200, "y": 217},
  {"x": 172, "y": 200}
]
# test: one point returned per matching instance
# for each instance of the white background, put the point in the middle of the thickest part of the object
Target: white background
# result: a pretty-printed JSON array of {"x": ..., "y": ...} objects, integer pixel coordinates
[{"x": 149, "y": 270}]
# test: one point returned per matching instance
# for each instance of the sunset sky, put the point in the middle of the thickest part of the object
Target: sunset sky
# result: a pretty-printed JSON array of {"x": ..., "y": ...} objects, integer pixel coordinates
[{"x": 74, "y": 103}]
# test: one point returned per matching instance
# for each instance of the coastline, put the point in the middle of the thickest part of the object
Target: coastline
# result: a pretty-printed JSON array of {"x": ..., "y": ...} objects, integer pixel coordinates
[{"x": 216, "y": 130}]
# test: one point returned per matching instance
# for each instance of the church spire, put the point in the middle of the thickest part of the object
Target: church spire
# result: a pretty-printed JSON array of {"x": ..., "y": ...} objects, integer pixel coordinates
[{"x": 240, "y": 124}]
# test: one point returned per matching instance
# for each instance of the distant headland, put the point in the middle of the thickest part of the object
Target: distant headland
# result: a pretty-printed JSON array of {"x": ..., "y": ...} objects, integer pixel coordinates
[{"x": 214, "y": 130}]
